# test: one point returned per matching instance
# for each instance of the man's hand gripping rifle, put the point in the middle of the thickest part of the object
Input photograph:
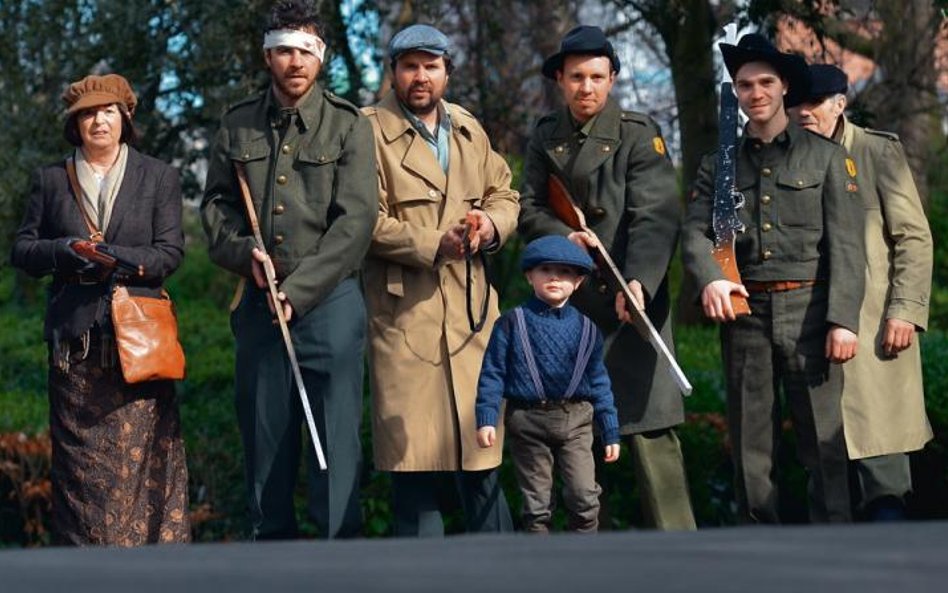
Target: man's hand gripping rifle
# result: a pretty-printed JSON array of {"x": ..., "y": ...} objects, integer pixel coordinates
[{"x": 565, "y": 209}]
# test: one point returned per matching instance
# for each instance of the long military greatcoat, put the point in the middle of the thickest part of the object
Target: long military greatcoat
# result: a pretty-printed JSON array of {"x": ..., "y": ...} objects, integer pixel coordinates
[
  {"x": 424, "y": 360},
  {"x": 883, "y": 399},
  {"x": 624, "y": 182}
]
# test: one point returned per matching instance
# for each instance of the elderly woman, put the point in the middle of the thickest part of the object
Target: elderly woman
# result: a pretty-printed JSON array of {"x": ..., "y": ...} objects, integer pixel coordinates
[{"x": 118, "y": 467}]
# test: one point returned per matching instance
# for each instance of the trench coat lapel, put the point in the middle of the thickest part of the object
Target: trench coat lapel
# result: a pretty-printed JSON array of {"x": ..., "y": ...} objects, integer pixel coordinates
[
  {"x": 459, "y": 143},
  {"x": 128, "y": 191},
  {"x": 418, "y": 157}
]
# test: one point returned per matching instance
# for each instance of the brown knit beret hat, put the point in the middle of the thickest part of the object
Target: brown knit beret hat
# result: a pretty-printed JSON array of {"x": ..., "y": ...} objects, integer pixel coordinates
[{"x": 93, "y": 91}]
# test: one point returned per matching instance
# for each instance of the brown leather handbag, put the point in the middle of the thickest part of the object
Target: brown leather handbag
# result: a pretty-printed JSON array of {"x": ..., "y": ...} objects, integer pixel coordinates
[
  {"x": 146, "y": 334},
  {"x": 146, "y": 328}
]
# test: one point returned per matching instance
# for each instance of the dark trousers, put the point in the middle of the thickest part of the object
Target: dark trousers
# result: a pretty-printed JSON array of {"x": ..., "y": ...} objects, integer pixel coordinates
[
  {"x": 416, "y": 502},
  {"x": 329, "y": 342},
  {"x": 782, "y": 345},
  {"x": 559, "y": 436},
  {"x": 879, "y": 477}
]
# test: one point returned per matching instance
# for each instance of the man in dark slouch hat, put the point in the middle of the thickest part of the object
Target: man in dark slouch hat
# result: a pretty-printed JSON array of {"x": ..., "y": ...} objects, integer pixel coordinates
[
  {"x": 800, "y": 259},
  {"x": 883, "y": 398},
  {"x": 616, "y": 166}
]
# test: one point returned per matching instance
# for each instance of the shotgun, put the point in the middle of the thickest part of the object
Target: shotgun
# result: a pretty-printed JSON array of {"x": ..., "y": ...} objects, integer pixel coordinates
[
  {"x": 103, "y": 255},
  {"x": 725, "y": 222},
  {"x": 565, "y": 208}
]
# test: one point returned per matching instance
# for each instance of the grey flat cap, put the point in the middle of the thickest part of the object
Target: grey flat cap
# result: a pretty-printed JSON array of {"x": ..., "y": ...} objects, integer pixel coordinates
[{"x": 418, "y": 38}]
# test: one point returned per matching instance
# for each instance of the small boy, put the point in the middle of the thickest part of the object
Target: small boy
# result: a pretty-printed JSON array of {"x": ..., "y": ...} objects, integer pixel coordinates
[{"x": 545, "y": 358}]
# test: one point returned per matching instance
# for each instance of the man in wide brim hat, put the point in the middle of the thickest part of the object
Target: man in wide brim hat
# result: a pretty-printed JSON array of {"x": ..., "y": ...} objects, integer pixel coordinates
[
  {"x": 754, "y": 47},
  {"x": 582, "y": 40},
  {"x": 800, "y": 257}
]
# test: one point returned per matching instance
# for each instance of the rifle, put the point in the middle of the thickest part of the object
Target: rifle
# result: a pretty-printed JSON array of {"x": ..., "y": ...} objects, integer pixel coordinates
[
  {"x": 270, "y": 273},
  {"x": 565, "y": 208},
  {"x": 724, "y": 219},
  {"x": 105, "y": 256}
]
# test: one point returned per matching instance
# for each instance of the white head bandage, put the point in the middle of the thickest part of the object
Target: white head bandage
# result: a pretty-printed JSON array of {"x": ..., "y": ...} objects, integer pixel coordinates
[{"x": 295, "y": 38}]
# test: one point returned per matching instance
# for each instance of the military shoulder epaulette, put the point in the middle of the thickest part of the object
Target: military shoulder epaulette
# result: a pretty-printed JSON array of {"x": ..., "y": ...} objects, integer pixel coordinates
[
  {"x": 639, "y": 118},
  {"x": 889, "y": 135},
  {"x": 455, "y": 108},
  {"x": 369, "y": 110},
  {"x": 246, "y": 100},
  {"x": 549, "y": 117},
  {"x": 340, "y": 102}
]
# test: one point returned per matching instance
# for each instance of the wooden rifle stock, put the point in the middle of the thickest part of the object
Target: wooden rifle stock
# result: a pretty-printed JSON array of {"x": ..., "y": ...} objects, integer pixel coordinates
[
  {"x": 564, "y": 207},
  {"x": 727, "y": 259}
]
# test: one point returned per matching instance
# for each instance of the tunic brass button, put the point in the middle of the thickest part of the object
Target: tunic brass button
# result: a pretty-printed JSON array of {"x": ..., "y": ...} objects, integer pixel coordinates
[
  {"x": 321, "y": 158},
  {"x": 766, "y": 171},
  {"x": 768, "y": 254},
  {"x": 559, "y": 149},
  {"x": 286, "y": 149},
  {"x": 598, "y": 211},
  {"x": 432, "y": 193},
  {"x": 606, "y": 148},
  {"x": 246, "y": 155},
  {"x": 281, "y": 179},
  {"x": 279, "y": 209},
  {"x": 603, "y": 288},
  {"x": 766, "y": 227},
  {"x": 799, "y": 183},
  {"x": 278, "y": 239},
  {"x": 765, "y": 199}
]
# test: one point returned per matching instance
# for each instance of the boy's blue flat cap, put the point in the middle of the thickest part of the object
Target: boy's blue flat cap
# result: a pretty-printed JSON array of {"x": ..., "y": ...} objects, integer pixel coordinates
[{"x": 555, "y": 249}]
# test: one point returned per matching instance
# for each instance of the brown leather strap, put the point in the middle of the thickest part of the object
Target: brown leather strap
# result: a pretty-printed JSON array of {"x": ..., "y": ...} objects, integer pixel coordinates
[
  {"x": 778, "y": 285},
  {"x": 95, "y": 235}
]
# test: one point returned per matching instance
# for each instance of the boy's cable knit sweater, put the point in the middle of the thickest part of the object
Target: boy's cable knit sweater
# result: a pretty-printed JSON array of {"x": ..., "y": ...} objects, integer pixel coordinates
[{"x": 554, "y": 336}]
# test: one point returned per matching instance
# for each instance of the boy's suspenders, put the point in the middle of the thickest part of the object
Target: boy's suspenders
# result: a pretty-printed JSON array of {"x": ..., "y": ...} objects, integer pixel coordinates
[{"x": 586, "y": 344}]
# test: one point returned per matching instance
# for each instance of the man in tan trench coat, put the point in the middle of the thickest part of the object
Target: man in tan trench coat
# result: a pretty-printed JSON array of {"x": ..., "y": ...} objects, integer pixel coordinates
[
  {"x": 435, "y": 166},
  {"x": 883, "y": 400}
]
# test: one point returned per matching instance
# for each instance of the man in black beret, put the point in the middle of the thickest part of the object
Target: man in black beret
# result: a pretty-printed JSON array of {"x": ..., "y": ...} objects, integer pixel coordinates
[
  {"x": 883, "y": 398},
  {"x": 800, "y": 259},
  {"x": 616, "y": 166}
]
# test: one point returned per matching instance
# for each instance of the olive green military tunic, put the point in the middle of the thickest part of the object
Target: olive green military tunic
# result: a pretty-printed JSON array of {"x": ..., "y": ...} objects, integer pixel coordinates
[
  {"x": 311, "y": 172},
  {"x": 803, "y": 219},
  {"x": 617, "y": 170}
]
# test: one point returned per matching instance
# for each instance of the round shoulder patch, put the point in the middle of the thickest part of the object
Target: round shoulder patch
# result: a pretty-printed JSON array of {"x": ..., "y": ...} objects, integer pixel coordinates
[{"x": 659, "y": 145}]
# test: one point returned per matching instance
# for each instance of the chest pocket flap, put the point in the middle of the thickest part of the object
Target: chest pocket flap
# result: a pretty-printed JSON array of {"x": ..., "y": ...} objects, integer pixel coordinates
[
  {"x": 800, "y": 199},
  {"x": 799, "y": 179},
  {"x": 251, "y": 150},
  {"x": 319, "y": 155}
]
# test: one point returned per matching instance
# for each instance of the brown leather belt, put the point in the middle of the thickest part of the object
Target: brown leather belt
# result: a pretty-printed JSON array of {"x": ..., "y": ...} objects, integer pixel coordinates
[{"x": 778, "y": 285}]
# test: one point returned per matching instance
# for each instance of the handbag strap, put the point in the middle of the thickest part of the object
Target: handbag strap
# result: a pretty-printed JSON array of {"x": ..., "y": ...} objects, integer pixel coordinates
[{"x": 95, "y": 235}]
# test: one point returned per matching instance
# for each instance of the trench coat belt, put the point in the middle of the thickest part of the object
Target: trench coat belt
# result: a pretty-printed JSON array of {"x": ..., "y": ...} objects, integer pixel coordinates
[{"x": 778, "y": 285}]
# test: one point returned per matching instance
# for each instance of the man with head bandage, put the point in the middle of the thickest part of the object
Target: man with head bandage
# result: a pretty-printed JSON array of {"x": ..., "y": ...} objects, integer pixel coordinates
[{"x": 310, "y": 166}]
